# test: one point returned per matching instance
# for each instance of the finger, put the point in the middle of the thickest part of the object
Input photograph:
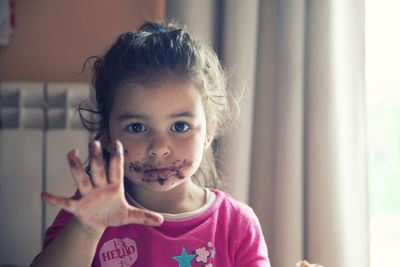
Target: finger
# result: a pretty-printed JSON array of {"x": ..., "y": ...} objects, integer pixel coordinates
[
  {"x": 81, "y": 179},
  {"x": 60, "y": 202},
  {"x": 116, "y": 170},
  {"x": 97, "y": 171},
  {"x": 145, "y": 217}
]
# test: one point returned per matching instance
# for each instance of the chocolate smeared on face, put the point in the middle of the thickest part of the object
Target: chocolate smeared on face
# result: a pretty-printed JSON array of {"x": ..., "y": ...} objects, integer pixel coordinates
[
  {"x": 179, "y": 175},
  {"x": 135, "y": 166},
  {"x": 176, "y": 168},
  {"x": 160, "y": 181}
]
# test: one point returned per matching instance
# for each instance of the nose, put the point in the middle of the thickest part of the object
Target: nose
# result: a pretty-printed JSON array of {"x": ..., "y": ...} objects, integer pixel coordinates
[{"x": 159, "y": 147}]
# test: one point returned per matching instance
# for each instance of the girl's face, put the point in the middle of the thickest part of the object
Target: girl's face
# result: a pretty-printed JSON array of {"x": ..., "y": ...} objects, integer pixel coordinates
[{"x": 163, "y": 131}]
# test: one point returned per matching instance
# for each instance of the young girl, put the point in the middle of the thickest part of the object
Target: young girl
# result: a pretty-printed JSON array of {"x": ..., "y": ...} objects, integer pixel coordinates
[{"x": 144, "y": 201}]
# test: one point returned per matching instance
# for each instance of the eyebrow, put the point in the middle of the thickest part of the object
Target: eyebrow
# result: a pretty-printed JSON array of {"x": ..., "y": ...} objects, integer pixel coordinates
[
  {"x": 129, "y": 116},
  {"x": 182, "y": 114}
]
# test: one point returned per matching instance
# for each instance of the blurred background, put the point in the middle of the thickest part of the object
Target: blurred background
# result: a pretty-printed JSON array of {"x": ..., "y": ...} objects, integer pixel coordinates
[{"x": 316, "y": 153}]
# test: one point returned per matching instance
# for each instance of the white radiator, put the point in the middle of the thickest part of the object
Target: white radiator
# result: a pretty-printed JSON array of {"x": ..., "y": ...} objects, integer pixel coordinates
[{"x": 38, "y": 126}]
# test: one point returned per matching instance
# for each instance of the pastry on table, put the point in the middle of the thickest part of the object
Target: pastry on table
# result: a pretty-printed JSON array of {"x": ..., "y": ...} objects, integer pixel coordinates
[{"x": 305, "y": 263}]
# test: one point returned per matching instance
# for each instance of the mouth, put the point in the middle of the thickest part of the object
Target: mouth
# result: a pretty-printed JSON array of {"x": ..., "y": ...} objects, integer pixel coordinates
[
  {"x": 160, "y": 174},
  {"x": 157, "y": 174}
]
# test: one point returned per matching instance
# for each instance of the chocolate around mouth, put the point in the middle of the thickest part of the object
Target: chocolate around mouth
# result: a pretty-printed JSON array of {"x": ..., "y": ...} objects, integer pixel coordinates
[
  {"x": 160, "y": 180},
  {"x": 164, "y": 173},
  {"x": 160, "y": 173},
  {"x": 135, "y": 167}
]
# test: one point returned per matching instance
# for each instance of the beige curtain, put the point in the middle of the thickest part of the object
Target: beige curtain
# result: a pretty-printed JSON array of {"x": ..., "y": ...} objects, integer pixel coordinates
[{"x": 298, "y": 157}]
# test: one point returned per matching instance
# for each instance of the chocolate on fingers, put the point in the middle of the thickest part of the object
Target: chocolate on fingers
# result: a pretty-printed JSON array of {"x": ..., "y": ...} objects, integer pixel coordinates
[
  {"x": 81, "y": 179},
  {"x": 98, "y": 174},
  {"x": 116, "y": 169}
]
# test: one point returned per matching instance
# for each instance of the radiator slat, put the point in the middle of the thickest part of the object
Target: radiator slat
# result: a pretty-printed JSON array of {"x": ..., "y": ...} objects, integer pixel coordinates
[
  {"x": 38, "y": 126},
  {"x": 58, "y": 176},
  {"x": 20, "y": 188}
]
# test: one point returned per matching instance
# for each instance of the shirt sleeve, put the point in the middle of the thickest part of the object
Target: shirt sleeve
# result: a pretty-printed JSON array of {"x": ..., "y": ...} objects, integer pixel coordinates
[
  {"x": 252, "y": 250},
  {"x": 59, "y": 223}
]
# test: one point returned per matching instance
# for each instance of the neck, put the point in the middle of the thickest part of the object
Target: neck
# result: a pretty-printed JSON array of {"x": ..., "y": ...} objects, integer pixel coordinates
[{"x": 184, "y": 198}]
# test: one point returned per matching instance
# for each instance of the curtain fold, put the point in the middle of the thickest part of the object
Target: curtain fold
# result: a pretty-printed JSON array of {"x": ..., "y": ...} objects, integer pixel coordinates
[
  {"x": 336, "y": 180},
  {"x": 240, "y": 39},
  {"x": 298, "y": 157},
  {"x": 281, "y": 55}
]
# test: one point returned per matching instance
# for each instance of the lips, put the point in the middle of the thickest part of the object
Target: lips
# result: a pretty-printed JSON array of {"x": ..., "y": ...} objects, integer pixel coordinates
[{"x": 159, "y": 173}]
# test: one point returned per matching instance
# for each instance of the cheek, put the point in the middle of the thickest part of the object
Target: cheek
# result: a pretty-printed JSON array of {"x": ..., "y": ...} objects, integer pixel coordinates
[
  {"x": 132, "y": 152},
  {"x": 191, "y": 149}
]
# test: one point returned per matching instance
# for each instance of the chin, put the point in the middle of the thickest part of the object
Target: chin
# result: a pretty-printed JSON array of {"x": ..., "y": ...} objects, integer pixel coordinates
[{"x": 159, "y": 185}]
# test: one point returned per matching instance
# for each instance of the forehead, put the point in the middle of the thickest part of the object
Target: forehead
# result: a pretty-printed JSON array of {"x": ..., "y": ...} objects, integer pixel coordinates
[{"x": 168, "y": 96}]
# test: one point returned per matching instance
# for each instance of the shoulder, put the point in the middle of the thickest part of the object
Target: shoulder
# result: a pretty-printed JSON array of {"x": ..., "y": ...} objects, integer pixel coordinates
[
  {"x": 233, "y": 208},
  {"x": 229, "y": 202},
  {"x": 247, "y": 238}
]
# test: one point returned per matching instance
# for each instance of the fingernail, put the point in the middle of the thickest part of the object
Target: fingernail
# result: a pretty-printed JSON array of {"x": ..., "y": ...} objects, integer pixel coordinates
[
  {"x": 72, "y": 159},
  {"x": 95, "y": 151},
  {"x": 155, "y": 217},
  {"x": 45, "y": 196},
  {"x": 94, "y": 147},
  {"x": 117, "y": 148}
]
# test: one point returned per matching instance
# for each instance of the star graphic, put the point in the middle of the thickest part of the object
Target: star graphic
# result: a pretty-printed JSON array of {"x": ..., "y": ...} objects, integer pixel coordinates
[
  {"x": 212, "y": 253},
  {"x": 184, "y": 259}
]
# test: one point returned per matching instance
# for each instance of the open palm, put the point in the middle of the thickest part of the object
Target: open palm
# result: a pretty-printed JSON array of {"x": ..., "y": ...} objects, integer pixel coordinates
[{"x": 102, "y": 201}]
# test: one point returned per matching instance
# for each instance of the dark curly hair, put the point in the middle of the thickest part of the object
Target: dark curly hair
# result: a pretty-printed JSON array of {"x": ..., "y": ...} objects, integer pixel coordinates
[{"x": 149, "y": 55}]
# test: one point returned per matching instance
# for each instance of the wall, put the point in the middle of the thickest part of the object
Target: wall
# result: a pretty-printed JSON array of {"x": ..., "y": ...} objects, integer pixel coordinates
[
  {"x": 52, "y": 39},
  {"x": 49, "y": 45}
]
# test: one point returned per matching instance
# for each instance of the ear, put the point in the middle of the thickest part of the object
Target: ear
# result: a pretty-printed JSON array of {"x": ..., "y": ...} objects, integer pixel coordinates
[{"x": 210, "y": 133}]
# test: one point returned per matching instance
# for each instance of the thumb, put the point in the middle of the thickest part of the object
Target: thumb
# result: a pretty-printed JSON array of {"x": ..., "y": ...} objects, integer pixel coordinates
[{"x": 140, "y": 216}]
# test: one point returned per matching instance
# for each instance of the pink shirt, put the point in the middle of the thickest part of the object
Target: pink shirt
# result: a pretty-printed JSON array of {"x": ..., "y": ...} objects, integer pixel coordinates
[{"x": 228, "y": 233}]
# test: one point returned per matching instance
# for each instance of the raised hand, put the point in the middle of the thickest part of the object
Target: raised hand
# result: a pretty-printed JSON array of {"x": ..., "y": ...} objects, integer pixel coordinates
[{"x": 102, "y": 201}]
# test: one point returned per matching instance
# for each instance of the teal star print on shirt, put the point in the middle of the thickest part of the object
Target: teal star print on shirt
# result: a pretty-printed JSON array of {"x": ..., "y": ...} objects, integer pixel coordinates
[
  {"x": 212, "y": 253},
  {"x": 184, "y": 259}
]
